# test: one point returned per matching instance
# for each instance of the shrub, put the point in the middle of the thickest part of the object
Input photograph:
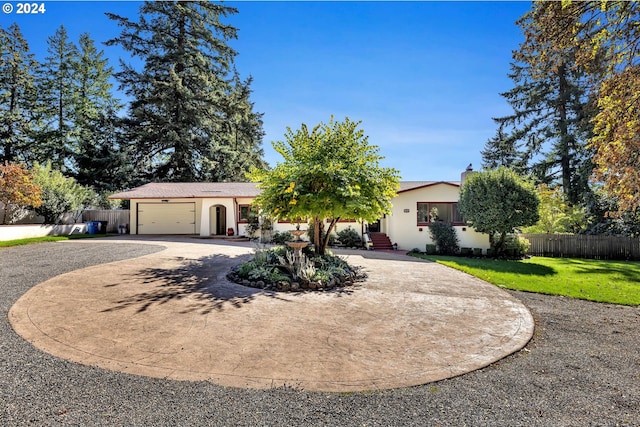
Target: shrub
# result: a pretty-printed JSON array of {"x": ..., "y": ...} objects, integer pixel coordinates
[
  {"x": 466, "y": 251},
  {"x": 444, "y": 236},
  {"x": 516, "y": 246},
  {"x": 280, "y": 238},
  {"x": 350, "y": 238},
  {"x": 430, "y": 249},
  {"x": 271, "y": 268},
  {"x": 477, "y": 251}
]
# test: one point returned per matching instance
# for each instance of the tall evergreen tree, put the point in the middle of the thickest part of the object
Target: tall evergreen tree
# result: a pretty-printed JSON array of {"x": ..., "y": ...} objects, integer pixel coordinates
[
  {"x": 550, "y": 122},
  {"x": 181, "y": 118},
  {"x": 502, "y": 150},
  {"x": 234, "y": 150},
  {"x": 99, "y": 139},
  {"x": 17, "y": 95},
  {"x": 56, "y": 140}
]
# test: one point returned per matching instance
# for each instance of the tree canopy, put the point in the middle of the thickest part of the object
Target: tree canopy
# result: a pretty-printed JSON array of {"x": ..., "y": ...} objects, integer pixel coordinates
[
  {"x": 330, "y": 172},
  {"x": 605, "y": 39},
  {"x": 190, "y": 118},
  {"x": 60, "y": 194},
  {"x": 496, "y": 202},
  {"x": 17, "y": 189}
]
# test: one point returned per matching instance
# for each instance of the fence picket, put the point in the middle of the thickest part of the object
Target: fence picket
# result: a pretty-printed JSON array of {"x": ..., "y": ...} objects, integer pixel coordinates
[{"x": 584, "y": 246}]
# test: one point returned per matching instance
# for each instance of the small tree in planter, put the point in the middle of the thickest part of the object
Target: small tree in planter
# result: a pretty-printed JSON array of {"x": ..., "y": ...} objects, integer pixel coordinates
[{"x": 329, "y": 173}]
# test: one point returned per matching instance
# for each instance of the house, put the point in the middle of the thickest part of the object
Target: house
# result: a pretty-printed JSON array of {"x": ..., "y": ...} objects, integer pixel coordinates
[{"x": 223, "y": 208}]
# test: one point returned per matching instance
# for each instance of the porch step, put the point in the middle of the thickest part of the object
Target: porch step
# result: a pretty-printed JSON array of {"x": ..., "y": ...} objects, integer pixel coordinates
[{"x": 380, "y": 241}]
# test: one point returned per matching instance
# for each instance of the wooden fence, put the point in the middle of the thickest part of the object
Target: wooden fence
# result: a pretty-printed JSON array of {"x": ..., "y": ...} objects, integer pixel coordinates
[
  {"x": 114, "y": 217},
  {"x": 584, "y": 246}
]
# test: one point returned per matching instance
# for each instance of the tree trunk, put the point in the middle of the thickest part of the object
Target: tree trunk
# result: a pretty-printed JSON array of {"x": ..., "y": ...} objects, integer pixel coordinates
[
  {"x": 565, "y": 138},
  {"x": 317, "y": 235}
]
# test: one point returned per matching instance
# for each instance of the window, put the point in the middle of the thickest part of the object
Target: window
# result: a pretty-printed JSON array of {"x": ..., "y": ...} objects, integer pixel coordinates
[
  {"x": 244, "y": 213},
  {"x": 446, "y": 212}
]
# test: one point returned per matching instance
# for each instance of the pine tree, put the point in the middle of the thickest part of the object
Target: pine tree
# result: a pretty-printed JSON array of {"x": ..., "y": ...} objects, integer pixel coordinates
[
  {"x": 550, "y": 122},
  {"x": 56, "y": 140},
  {"x": 17, "y": 95},
  {"x": 100, "y": 160},
  {"x": 181, "y": 118},
  {"x": 234, "y": 149},
  {"x": 502, "y": 150}
]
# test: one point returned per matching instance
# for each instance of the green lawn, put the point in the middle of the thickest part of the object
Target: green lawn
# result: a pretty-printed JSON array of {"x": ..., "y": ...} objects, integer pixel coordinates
[
  {"x": 7, "y": 243},
  {"x": 616, "y": 282}
]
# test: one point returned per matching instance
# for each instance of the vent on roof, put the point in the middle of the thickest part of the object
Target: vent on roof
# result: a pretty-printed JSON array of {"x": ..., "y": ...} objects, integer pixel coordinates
[{"x": 211, "y": 191}]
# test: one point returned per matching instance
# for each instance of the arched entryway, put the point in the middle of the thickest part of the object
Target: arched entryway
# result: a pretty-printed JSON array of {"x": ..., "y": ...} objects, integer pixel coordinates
[{"x": 218, "y": 220}]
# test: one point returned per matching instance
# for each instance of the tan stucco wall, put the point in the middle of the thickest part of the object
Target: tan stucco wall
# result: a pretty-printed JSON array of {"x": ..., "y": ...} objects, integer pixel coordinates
[{"x": 402, "y": 228}]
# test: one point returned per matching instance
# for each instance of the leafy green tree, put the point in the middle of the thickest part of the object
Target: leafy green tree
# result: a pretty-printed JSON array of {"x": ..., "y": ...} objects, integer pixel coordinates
[
  {"x": 497, "y": 202},
  {"x": 17, "y": 95},
  {"x": 329, "y": 173},
  {"x": 17, "y": 189},
  {"x": 556, "y": 216},
  {"x": 186, "y": 114},
  {"x": 59, "y": 194}
]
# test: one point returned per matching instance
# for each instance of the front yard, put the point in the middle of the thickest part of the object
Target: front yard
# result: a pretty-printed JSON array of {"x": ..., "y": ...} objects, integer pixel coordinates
[{"x": 615, "y": 282}]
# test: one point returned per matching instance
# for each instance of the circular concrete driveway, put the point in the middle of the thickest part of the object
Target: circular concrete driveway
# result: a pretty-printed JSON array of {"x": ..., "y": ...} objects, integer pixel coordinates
[{"x": 173, "y": 314}]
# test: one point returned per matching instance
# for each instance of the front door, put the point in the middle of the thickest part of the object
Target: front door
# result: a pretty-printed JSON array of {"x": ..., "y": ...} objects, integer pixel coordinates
[
  {"x": 218, "y": 220},
  {"x": 374, "y": 227},
  {"x": 221, "y": 220}
]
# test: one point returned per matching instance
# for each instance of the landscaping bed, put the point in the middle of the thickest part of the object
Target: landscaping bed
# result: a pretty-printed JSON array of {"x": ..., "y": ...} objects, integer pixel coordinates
[{"x": 278, "y": 269}]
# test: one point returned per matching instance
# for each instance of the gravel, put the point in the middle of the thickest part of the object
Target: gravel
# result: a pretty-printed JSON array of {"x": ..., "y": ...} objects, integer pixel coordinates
[{"x": 582, "y": 368}]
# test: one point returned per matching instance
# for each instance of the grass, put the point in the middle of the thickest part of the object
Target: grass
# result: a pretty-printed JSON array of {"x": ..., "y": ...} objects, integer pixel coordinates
[
  {"x": 615, "y": 282},
  {"x": 18, "y": 242}
]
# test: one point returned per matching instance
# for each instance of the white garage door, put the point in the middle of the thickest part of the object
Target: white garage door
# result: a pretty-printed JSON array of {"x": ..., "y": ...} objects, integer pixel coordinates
[{"x": 166, "y": 218}]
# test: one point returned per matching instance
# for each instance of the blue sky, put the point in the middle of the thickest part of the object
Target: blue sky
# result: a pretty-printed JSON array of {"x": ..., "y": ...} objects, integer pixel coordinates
[{"x": 423, "y": 77}]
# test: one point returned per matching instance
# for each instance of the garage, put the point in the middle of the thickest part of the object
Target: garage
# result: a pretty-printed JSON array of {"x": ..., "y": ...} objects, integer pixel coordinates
[{"x": 167, "y": 218}]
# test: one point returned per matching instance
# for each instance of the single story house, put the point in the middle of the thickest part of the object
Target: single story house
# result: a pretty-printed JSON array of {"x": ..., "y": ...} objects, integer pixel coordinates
[{"x": 222, "y": 208}]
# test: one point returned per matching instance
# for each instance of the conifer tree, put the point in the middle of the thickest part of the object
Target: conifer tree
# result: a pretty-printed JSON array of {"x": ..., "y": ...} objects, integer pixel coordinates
[
  {"x": 502, "y": 150},
  {"x": 99, "y": 138},
  {"x": 183, "y": 121},
  {"x": 17, "y": 95},
  {"x": 57, "y": 94},
  {"x": 550, "y": 122}
]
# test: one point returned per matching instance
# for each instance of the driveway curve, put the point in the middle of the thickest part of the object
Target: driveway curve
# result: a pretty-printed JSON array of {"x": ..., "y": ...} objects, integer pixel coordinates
[{"x": 173, "y": 314}]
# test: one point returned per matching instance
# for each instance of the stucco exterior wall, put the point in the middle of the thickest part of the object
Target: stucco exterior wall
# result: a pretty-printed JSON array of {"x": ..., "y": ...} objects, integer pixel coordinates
[{"x": 402, "y": 225}]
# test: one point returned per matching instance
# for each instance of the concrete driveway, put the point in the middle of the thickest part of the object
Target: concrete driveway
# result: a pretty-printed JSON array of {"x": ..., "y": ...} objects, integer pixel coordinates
[{"x": 173, "y": 314}]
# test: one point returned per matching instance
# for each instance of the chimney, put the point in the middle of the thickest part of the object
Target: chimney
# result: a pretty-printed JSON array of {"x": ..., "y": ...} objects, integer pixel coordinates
[{"x": 466, "y": 173}]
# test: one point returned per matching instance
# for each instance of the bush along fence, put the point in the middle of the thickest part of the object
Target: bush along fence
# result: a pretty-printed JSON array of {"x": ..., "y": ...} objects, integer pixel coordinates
[
  {"x": 584, "y": 246},
  {"x": 114, "y": 218}
]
